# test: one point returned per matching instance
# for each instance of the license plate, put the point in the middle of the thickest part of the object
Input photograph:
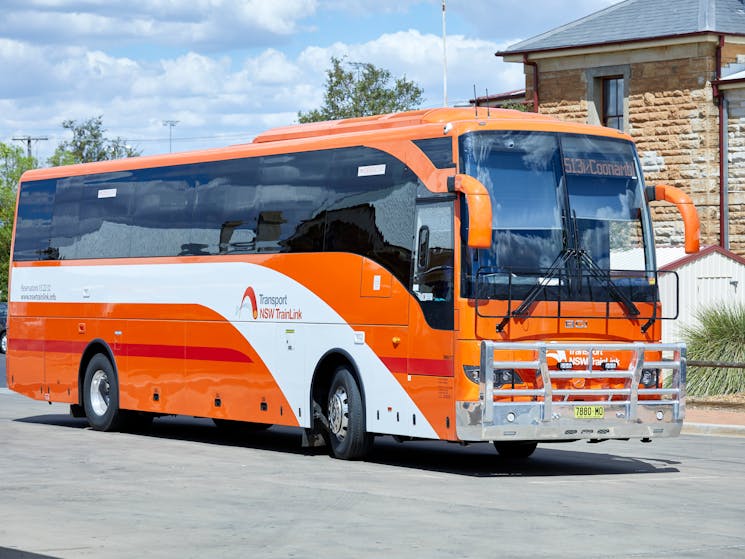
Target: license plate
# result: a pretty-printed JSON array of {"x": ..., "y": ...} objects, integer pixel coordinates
[{"x": 589, "y": 412}]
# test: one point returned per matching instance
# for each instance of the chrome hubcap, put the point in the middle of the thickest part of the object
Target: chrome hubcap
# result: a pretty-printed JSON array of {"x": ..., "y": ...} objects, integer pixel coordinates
[
  {"x": 339, "y": 412},
  {"x": 100, "y": 392}
]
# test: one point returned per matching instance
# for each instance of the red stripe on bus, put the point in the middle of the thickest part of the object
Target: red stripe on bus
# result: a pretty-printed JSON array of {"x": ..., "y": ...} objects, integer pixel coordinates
[
  {"x": 224, "y": 354},
  {"x": 424, "y": 367}
]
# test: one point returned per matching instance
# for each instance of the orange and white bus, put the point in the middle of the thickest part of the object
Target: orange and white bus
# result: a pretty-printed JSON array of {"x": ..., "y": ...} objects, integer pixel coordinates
[{"x": 438, "y": 274}]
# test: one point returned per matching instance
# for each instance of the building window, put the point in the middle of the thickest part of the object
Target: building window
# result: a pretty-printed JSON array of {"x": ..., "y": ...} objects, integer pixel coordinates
[{"x": 613, "y": 102}]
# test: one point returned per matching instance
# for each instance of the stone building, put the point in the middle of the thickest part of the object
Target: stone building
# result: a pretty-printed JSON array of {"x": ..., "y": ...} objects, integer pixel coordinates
[{"x": 671, "y": 74}]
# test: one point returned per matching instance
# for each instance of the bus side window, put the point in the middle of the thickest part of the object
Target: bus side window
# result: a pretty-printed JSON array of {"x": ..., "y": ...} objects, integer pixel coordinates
[
  {"x": 33, "y": 228},
  {"x": 225, "y": 213},
  {"x": 291, "y": 197},
  {"x": 162, "y": 216},
  {"x": 433, "y": 281},
  {"x": 105, "y": 218}
]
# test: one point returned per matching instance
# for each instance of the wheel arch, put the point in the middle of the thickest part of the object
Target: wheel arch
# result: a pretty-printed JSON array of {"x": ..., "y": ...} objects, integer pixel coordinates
[
  {"x": 93, "y": 348},
  {"x": 324, "y": 372}
]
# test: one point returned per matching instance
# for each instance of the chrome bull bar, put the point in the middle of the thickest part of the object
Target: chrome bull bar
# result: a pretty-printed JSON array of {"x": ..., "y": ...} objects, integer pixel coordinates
[{"x": 549, "y": 413}]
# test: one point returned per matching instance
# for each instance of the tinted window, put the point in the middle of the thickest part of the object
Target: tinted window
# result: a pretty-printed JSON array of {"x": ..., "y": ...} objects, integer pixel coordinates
[
  {"x": 433, "y": 278},
  {"x": 373, "y": 213},
  {"x": 163, "y": 205},
  {"x": 33, "y": 228},
  {"x": 66, "y": 220},
  {"x": 225, "y": 210},
  {"x": 92, "y": 216},
  {"x": 357, "y": 200},
  {"x": 294, "y": 191},
  {"x": 439, "y": 151},
  {"x": 105, "y": 216}
]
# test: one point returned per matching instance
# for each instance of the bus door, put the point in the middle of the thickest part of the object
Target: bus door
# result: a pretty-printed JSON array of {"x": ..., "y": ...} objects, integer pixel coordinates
[{"x": 432, "y": 322}]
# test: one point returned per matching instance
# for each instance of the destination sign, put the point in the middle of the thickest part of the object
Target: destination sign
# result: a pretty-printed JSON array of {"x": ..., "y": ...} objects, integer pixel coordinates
[{"x": 599, "y": 167}]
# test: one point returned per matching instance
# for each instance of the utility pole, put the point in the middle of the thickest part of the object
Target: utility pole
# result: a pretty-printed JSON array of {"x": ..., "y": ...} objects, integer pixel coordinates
[
  {"x": 170, "y": 124},
  {"x": 28, "y": 140}
]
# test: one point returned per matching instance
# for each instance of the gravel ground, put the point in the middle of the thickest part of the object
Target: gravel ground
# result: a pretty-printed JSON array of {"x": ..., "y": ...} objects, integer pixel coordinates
[{"x": 720, "y": 401}]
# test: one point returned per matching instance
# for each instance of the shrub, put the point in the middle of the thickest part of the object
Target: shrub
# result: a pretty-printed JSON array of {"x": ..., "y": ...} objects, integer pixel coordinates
[{"x": 718, "y": 336}]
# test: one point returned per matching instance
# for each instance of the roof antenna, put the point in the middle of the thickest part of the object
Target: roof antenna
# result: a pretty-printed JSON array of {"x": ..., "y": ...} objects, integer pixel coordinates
[
  {"x": 488, "y": 107},
  {"x": 475, "y": 101}
]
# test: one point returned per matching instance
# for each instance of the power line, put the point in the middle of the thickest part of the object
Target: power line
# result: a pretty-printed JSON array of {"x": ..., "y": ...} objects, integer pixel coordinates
[
  {"x": 190, "y": 138},
  {"x": 28, "y": 140}
]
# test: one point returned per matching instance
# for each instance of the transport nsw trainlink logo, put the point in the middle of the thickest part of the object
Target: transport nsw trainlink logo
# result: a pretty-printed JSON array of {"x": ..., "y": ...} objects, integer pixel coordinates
[
  {"x": 580, "y": 358},
  {"x": 268, "y": 307}
]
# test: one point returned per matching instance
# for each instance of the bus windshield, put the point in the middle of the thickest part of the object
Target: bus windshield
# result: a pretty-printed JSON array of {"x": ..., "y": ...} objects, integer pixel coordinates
[{"x": 568, "y": 215}]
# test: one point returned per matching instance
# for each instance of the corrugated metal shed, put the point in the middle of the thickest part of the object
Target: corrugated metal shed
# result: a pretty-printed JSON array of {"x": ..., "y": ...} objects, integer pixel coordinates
[{"x": 713, "y": 275}]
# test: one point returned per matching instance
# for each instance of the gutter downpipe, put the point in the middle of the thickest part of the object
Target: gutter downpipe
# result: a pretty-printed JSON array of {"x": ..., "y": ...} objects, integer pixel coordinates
[
  {"x": 724, "y": 160},
  {"x": 527, "y": 62},
  {"x": 721, "y": 101}
]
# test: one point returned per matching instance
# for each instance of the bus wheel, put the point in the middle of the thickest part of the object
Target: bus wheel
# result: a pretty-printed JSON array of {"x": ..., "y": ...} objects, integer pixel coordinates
[
  {"x": 515, "y": 450},
  {"x": 347, "y": 437},
  {"x": 101, "y": 395}
]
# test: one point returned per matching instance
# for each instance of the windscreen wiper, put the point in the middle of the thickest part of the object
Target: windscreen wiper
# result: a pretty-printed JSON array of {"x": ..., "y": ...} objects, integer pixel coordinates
[
  {"x": 599, "y": 274},
  {"x": 580, "y": 257},
  {"x": 551, "y": 274},
  {"x": 559, "y": 262}
]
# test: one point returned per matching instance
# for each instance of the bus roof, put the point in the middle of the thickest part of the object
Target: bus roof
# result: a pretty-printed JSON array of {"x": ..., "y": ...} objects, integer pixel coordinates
[
  {"x": 300, "y": 137},
  {"x": 392, "y": 120}
]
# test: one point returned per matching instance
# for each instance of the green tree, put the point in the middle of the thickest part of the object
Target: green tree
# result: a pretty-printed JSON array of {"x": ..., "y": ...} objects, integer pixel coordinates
[
  {"x": 13, "y": 163},
  {"x": 89, "y": 144},
  {"x": 355, "y": 89},
  {"x": 518, "y": 106}
]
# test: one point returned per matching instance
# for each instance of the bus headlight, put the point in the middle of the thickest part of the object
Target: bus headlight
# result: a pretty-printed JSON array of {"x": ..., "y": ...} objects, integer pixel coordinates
[
  {"x": 506, "y": 376},
  {"x": 472, "y": 372},
  {"x": 650, "y": 378},
  {"x": 501, "y": 376}
]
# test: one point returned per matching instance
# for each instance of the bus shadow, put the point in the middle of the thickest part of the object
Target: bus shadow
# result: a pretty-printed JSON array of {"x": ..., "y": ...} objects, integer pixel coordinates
[
  {"x": 476, "y": 460},
  {"x": 481, "y": 460},
  {"x": 196, "y": 430}
]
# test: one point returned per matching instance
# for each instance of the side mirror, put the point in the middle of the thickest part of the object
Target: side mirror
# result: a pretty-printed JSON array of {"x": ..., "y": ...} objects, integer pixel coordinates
[
  {"x": 687, "y": 210},
  {"x": 479, "y": 210}
]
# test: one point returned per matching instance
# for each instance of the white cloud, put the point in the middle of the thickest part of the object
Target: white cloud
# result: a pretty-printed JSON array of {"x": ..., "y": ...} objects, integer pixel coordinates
[
  {"x": 271, "y": 67},
  {"x": 372, "y": 6},
  {"x": 209, "y": 24},
  {"x": 419, "y": 57},
  {"x": 223, "y": 68}
]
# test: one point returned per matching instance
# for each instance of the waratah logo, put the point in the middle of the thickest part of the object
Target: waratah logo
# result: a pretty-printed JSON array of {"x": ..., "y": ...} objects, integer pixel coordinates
[{"x": 251, "y": 296}]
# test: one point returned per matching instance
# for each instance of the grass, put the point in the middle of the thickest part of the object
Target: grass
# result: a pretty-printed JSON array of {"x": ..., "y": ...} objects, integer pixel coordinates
[{"x": 718, "y": 335}]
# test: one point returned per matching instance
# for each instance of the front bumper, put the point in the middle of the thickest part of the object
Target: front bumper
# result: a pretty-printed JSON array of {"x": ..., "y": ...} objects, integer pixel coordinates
[{"x": 548, "y": 413}]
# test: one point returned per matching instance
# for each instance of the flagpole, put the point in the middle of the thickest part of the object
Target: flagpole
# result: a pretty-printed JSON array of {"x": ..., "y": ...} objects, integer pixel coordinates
[{"x": 444, "y": 60}]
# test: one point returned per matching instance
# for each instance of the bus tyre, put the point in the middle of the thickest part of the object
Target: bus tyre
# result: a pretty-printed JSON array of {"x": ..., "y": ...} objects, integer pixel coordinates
[
  {"x": 515, "y": 450},
  {"x": 347, "y": 437},
  {"x": 101, "y": 395}
]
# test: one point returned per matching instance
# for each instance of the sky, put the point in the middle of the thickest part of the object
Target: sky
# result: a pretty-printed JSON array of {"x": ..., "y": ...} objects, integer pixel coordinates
[{"x": 226, "y": 70}]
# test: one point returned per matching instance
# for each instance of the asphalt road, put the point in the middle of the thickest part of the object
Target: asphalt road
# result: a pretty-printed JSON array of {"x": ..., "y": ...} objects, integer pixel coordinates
[{"x": 184, "y": 490}]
